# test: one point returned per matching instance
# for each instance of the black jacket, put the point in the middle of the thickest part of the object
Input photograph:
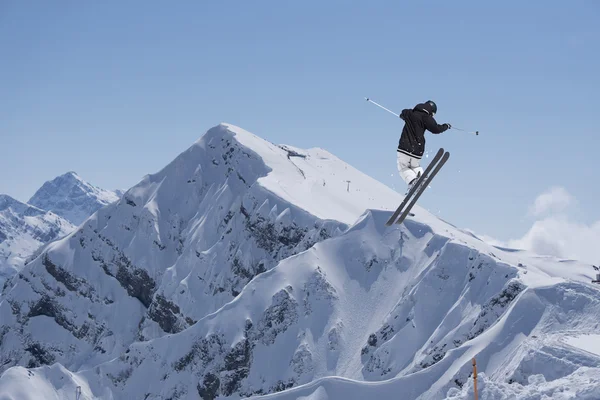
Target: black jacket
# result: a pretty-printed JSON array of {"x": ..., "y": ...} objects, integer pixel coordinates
[{"x": 417, "y": 120}]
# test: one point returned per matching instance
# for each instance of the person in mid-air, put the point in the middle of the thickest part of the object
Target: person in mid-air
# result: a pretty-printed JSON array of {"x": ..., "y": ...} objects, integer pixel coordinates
[{"x": 412, "y": 141}]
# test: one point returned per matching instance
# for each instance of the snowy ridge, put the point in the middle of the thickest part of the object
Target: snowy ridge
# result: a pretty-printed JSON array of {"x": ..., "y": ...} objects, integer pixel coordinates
[
  {"x": 245, "y": 269},
  {"x": 72, "y": 198},
  {"x": 317, "y": 181},
  {"x": 23, "y": 230},
  {"x": 334, "y": 311}
]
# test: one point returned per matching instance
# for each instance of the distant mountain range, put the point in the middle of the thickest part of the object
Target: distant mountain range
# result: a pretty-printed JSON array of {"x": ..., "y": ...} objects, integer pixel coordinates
[{"x": 54, "y": 211}]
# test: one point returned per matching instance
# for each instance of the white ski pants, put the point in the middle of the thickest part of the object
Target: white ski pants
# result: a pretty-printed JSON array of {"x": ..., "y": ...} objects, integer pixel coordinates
[{"x": 408, "y": 167}]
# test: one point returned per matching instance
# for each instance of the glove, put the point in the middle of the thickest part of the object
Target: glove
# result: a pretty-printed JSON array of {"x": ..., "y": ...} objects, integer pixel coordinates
[{"x": 447, "y": 125}]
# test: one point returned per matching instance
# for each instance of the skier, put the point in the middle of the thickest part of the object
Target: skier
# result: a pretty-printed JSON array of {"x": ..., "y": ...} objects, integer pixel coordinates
[{"x": 411, "y": 145}]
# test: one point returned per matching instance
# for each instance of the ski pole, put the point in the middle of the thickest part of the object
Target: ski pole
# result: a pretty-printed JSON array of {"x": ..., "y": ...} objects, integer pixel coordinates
[
  {"x": 379, "y": 105},
  {"x": 464, "y": 130}
]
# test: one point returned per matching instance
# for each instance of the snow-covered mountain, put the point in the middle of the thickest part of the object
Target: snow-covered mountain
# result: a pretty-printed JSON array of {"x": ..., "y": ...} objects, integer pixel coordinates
[
  {"x": 72, "y": 198},
  {"x": 54, "y": 211},
  {"x": 245, "y": 268},
  {"x": 23, "y": 230}
]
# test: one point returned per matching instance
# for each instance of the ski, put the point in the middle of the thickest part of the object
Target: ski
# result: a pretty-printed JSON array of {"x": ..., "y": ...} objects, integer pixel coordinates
[
  {"x": 423, "y": 186},
  {"x": 435, "y": 159}
]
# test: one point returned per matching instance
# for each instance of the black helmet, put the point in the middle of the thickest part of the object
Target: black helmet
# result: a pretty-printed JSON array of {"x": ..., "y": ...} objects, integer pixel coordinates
[{"x": 432, "y": 107}]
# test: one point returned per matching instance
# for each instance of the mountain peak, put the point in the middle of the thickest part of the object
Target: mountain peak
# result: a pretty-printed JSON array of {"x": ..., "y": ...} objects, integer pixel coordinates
[
  {"x": 69, "y": 178},
  {"x": 71, "y": 197},
  {"x": 312, "y": 179},
  {"x": 70, "y": 175}
]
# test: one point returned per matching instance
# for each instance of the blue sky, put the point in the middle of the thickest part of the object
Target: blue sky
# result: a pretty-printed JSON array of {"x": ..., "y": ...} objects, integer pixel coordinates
[{"x": 114, "y": 91}]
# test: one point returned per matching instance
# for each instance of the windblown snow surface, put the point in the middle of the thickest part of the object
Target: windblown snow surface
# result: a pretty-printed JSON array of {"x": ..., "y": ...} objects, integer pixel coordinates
[{"x": 248, "y": 269}]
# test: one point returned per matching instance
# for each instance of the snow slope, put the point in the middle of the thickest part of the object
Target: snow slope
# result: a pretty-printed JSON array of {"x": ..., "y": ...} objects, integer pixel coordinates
[
  {"x": 23, "y": 230},
  {"x": 49, "y": 383},
  {"x": 404, "y": 304},
  {"x": 72, "y": 198},
  {"x": 245, "y": 268}
]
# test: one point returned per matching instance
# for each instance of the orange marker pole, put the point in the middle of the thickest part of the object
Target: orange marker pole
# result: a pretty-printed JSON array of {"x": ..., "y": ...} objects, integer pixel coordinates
[{"x": 475, "y": 378}]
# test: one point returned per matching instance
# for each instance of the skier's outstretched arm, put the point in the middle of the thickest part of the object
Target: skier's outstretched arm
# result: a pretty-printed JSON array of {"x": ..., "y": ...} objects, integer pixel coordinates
[{"x": 433, "y": 127}]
